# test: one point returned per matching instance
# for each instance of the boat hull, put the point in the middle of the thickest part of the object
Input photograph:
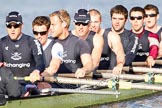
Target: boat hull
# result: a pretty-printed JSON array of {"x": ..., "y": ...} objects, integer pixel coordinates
[{"x": 75, "y": 100}]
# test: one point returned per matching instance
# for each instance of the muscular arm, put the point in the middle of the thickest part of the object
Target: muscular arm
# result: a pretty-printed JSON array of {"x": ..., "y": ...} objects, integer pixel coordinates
[
  {"x": 98, "y": 43},
  {"x": 57, "y": 57},
  {"x": 86, "y": 59},
  {"x": 116, "y": 46}
]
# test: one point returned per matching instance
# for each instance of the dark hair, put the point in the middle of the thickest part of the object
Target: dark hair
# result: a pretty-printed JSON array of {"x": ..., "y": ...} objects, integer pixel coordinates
[
  {"x": 151, "y": 7},
  {"x": 42, "y": 20},
  {"x": 139, "y": 9},
  {"x": 119, "y": 9}
]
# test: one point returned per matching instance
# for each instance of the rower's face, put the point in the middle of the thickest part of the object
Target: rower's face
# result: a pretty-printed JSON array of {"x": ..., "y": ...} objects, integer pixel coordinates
[
  {"x": 82, "y": 29},
  {"x": 14, "y": 30},
  {"x": 118, "y": 22},
  {"x": 56, "y": 27},
  {"x": 95, "y": 23},
  {"x": 41, "y": 33},
  {"x": 151, "y": 18},
  {"x": 136, "y": 20}
]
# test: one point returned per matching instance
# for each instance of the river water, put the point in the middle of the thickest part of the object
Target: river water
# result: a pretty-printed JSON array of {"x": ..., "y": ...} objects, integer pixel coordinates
[
  {"x": 154, "y": 101},
  {"x": 32, "y": 8}
]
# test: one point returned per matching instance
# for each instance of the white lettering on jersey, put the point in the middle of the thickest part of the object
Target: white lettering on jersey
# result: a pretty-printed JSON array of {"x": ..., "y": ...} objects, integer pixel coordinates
[
  {"x": 38, "y": 47},
  {"x": 135, "y": 45},
  {"x": 19, "y": 65},
  {"x": 67, "y": 60}
]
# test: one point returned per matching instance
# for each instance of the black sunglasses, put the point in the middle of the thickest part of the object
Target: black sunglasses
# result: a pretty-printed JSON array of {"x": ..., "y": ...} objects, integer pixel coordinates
[
  {"x": 138, "y": 17},
  {"x": 79, "y": 23},
  {"x": 150, "y": 15},
  {"x": 41, "y": 33},
  {"x": 13, "y": 25}
]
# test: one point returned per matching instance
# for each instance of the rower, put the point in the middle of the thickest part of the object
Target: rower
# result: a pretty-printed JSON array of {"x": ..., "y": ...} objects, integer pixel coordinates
[
  {"x": 53, "y": 51},
  {"x": 151, "y": 19},
  {"x": 148, "y": 41},
  {"x": 95, "y": 41},
  {"x": 21, "y": 53},
  {"x": 128, "y": 39},
  {"x": 76, "y": 56}
]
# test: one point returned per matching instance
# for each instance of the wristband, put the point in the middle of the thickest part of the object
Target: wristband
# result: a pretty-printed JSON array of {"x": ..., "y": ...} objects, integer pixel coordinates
[{"x": 120, "y": 62}]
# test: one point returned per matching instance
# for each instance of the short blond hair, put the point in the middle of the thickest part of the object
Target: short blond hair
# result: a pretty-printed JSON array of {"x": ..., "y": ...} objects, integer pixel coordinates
[
  {"x": 63, "y": 15},
  {"x": 95, "y": 12}
]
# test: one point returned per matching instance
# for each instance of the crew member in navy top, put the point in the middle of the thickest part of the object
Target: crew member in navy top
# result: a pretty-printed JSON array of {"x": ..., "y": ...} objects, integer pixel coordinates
[
  {"x": 119, "y": 15},
  {"x": 21, "y": 53},
  {"x": 76, "y": 56},
  {"x": 82, "y": 24}
]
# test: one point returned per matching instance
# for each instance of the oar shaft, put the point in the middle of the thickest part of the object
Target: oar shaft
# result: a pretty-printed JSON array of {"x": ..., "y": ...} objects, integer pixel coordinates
[
  {"x": 146, "y": 87},
  {"x": 72, "y": 75},
  {"x": 123, "y": 76},
  {"x": 59, "y": 90},
  {"x": 139, "y": 63},
  {"x": 146, "y": 70},
  {"x": 102, "y": 83},
  {"x": 145, "y": 63},
  {"x": 75, "y": 81},
  {"x": 135, "y": 69}
]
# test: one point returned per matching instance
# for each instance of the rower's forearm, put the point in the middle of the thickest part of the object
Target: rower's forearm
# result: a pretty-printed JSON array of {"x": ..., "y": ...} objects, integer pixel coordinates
[
  {"x": 88, "y": 68},
  {"x": 121, "y": 59}
]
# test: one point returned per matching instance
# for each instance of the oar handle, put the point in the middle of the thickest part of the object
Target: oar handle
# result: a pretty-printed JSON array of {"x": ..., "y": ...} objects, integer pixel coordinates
[
  {"x": 159, "y": 62},
  {"x": 26, "y": 78},
  {"x": 71, "y": 75}
]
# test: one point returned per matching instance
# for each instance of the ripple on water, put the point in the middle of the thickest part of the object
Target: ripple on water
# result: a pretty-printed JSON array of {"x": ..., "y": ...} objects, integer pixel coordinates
[{"x": 154, "y": 101}]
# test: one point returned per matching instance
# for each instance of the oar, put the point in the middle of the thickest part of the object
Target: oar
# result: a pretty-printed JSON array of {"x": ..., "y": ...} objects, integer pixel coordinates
[
  {"x": 101, "y": 83},
  {"x": 159, "y": 62},
  {"x": 72, "y": 75},
  {"x": 68, "y": 75},
  {"x": 146, "y": 77},
  {"x": 80, "y": 91},
  {"x": 136, "y": 69}
]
